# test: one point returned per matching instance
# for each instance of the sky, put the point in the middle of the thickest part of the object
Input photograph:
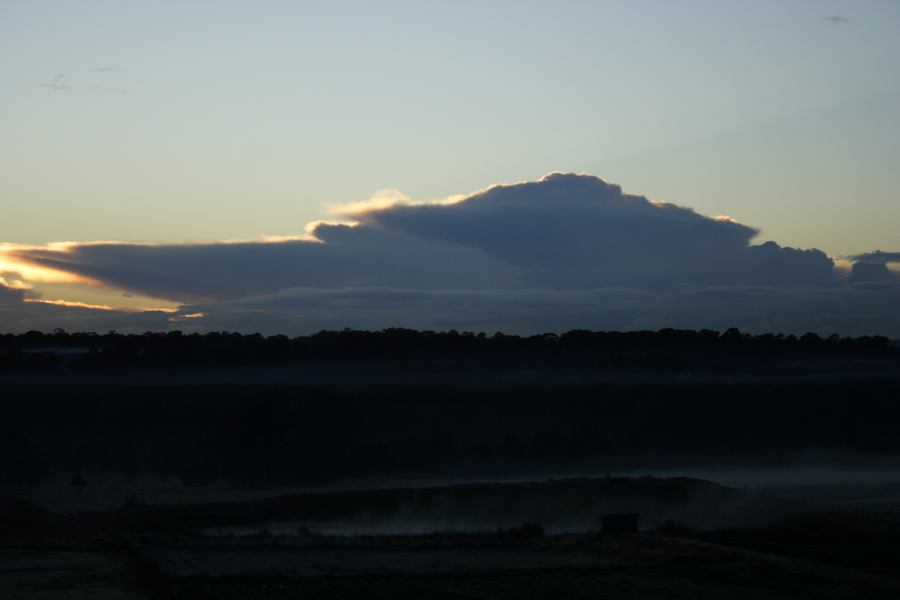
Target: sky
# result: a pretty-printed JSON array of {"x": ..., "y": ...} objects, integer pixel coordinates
[{"x": 208, "y": 139}]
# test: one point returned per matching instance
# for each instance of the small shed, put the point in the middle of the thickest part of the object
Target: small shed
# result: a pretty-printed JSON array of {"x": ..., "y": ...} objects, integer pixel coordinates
[
  {"x": 135, "y": 500},
  {"x": 620, "y": 523}
]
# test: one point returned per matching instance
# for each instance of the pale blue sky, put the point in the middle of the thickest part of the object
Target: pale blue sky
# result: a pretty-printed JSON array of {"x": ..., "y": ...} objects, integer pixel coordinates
[{"x": 163, "y": 121}]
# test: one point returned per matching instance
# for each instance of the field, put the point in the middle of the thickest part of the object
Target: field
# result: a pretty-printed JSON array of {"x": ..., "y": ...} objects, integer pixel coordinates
[
  {"x": 696, "y": 540},
  {"x": 421, "y": 465}
]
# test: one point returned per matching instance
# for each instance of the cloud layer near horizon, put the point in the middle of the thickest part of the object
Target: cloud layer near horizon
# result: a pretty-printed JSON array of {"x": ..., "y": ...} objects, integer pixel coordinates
[{"x": 565, "y": 251}]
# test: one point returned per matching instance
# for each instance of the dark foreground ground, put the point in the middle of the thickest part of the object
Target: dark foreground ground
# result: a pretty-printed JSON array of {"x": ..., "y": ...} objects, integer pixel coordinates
[
  {"x": 329, "y": 466},
  {"x": 697, "y": 540}
]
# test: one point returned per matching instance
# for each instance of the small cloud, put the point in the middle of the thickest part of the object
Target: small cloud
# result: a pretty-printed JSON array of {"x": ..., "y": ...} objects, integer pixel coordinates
[
  {"x": 186, "y": 316},
  {"x": 59, "y": 83},
  {"x": 878, "y": 256},
  {"x": 381, "y": 199},
  {"x": 277, "y": 239},
  {"x": 838, "y": 19},
  {"x": 870, "y": 271},
  {"x": 106, "y": 88}
]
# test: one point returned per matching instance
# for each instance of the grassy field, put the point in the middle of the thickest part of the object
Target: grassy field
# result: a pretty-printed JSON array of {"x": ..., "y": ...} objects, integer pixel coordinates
[{"x": 797, "y": 551}]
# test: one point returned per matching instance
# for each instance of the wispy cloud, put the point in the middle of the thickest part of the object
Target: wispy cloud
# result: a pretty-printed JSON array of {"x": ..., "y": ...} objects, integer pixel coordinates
[
  {"x": 59, "y": 83},
  {"x": 106, "y": 88},
  {"x": 62, "y": 82},
  {"x": 70, "y": 303}
]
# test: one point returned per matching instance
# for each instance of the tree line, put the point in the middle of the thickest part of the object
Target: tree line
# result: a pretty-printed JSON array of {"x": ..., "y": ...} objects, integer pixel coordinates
[{"x": 40, "y": 350}]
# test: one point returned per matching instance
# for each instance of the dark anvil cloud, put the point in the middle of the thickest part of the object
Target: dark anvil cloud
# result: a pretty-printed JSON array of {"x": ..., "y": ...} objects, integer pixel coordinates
[
  {"x": 579, "y": 231},
  {"x": 345, "y": 256},
  {"x": 563, "y": 252},
  {"x": 568, "y": 231}
]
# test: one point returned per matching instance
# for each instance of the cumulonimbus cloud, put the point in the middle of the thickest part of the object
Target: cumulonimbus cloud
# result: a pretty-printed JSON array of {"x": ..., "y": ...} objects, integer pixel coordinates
[
  {"x": 563, "y": 231},
  {"x": 579, "y": 231},
  {"x": 564, "y": 251},
  {"x": 345, "y": 256}
]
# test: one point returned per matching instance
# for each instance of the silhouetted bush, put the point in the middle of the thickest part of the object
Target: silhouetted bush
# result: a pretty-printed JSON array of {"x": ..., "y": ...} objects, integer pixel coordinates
[{"x": 674, "y": 527}]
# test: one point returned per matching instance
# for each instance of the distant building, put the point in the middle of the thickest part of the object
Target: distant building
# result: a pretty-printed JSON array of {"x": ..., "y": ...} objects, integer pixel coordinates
[
  {"x": 135, "y": 500},
  {"x": 622, "y": 523}
]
